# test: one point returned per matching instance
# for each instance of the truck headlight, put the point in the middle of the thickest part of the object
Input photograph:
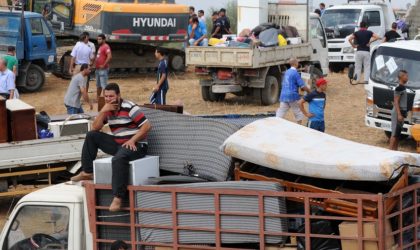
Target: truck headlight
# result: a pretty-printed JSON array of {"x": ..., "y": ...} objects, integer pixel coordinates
[
  {"x": 369, "y": 106},
  {"x": 348, "y": 50}
]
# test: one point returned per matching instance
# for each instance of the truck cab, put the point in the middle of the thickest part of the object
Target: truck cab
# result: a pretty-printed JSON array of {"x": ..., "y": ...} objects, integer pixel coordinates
[
  {"x": 50, "y": 218},
  {"x": 341, "y": 21},
  {"x": 35, "y": 46},
  {"x": 387, "y": 60}
]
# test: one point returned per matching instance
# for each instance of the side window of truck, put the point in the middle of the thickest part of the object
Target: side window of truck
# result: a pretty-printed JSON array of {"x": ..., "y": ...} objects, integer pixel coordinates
[
  {"x": 45, "y": 29},
  {"x": 372, "y": 18},
  {"x": 46, "y": 226},
  {"x": 36, "y": 26}
]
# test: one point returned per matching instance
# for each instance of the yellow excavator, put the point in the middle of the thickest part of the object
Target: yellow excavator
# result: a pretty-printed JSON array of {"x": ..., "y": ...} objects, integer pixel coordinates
[{"x": 133, "y": 29}]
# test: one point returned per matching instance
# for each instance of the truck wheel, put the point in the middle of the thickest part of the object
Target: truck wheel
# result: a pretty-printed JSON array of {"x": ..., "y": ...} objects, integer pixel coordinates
[
  {"x": 177, "y": 62},
  {"x": 35, "y": 78},
  {"x": 336, "y": 67},
  {"x": 270, "y": 92},
  {"x": 208, "y": 95},
  {"x": 205, "y": 93}
]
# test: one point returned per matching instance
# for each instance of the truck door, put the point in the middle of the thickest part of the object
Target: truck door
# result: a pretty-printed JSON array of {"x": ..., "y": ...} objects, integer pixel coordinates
[
  {"x": 374, "y": 20},
  {"x": 319, "y": 43},
  {"x": 41, "y": 41}
]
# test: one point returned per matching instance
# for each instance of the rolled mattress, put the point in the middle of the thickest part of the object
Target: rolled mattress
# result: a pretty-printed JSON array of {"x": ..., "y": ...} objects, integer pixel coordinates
[
  {"x": 205, "y": 202},
  {"x": 285, "y": 146}
]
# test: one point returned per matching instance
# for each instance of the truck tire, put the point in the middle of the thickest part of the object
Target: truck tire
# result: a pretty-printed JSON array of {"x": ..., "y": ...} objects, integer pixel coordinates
[
  {"x": 270, "y": 92},
  {"x": 177, "y": 63},
  {"x": 205, "y": 93},
  {"x": 35, "y": 78},
  {"x": 208, "y": 95}
]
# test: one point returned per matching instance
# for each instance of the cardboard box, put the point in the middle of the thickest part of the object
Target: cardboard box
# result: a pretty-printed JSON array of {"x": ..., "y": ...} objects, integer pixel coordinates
[{"x": 370, "y": 230}]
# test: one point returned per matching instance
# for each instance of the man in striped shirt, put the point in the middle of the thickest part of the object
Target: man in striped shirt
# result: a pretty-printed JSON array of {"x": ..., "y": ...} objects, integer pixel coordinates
[{"x": 129, "y": 127}]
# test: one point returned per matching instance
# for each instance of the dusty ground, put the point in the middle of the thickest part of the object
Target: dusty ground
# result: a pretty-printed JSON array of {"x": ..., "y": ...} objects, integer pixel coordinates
[{"x": 344, "y": 111}]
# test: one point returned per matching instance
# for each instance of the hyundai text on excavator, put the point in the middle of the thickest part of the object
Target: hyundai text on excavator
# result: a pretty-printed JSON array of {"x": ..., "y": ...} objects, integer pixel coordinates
[{"x": 133, "y": 29}]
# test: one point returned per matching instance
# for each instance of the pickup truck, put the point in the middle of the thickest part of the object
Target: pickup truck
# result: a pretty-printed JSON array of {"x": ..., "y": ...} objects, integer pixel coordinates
[
  {"x": 211, "y": 215},
  {"x": 35, "y": 44},
  {"x": 257, "y": 71}
]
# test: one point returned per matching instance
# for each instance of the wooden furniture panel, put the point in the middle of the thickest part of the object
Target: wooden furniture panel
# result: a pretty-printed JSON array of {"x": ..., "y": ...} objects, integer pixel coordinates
[
  {"x": 3, "y": 120},
  {"x": 21, "y": 121}
]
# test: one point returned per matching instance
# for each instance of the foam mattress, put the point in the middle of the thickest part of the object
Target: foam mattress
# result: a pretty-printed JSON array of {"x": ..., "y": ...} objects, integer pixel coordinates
[{"x": 285, "y": 146}]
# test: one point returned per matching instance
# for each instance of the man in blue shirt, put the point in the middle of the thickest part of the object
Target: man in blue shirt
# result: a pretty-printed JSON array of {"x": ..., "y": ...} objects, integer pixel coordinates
[
  {"x": 197, "y": 32},
  {"x": 316, "y": 100},
  {"x": 289, "y": 96},
  {"x": 7, "y": 81}
]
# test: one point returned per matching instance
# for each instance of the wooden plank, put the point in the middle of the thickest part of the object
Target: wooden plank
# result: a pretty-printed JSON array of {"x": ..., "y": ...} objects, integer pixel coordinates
[{"x": 36, "y": 171}]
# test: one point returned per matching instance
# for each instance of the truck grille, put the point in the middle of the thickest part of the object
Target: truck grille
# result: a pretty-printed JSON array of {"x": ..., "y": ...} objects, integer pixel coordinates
[{"x": 334, "y": 49}]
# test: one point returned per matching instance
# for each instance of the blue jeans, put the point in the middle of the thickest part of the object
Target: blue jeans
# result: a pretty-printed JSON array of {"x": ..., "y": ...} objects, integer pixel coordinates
[
  {"x": 317, "y": 125},
  {"x": 204, "y": 42},
  {"x": 74, "y": 111},
  {"x": 101, "y": 78}
]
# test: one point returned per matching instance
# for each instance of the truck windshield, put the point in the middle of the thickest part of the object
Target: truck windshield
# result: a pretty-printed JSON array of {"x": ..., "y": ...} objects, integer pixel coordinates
[
  {"x": 9, "y": 26},
  {"x": 339, "y": 23},
  {"x": 388, "y": 61}
]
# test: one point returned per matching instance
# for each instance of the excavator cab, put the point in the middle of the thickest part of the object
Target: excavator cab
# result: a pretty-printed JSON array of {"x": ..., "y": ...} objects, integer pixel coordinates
[{"x": 60, "y": 13}]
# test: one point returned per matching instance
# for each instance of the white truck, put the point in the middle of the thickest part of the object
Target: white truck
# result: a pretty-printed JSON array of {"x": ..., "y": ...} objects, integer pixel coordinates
[
  {"x": 341, "y": 21},
  {"x": 257, "y": 71},
  {"x": 387, "y": 60}
]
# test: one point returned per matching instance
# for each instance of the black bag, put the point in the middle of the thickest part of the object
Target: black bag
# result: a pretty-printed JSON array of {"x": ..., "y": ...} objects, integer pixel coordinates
[
  {"x": 42, "y": 120},
  {"x": 319, "y": 227}
]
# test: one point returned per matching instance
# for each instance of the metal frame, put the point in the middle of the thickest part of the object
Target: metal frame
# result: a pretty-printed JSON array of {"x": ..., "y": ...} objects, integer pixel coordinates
[{"x": 379, "y": 199}]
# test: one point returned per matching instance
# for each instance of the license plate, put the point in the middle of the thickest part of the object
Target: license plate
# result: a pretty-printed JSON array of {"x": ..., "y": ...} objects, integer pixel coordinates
[
  {"x": 386, "y": 125},
  {"x": 335, "y": 58}
]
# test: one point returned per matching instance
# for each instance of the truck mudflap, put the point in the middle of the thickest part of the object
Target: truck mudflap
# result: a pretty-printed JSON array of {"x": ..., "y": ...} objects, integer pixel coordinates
[{"x": 395, "y": 225}]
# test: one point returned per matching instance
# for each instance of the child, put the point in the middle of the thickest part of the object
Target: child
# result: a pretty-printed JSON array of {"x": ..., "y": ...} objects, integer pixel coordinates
[
  {"x": 161, "y": 88},
  {"x": 316, "y": 100}
]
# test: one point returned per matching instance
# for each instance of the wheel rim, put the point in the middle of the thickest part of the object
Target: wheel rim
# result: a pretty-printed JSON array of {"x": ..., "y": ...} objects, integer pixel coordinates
[
  {"x": 177, "y": 62},
  {"x": 33, "y": 78}
]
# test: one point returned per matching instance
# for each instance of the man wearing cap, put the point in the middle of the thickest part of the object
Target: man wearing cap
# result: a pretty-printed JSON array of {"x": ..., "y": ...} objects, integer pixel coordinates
[{"x": 316, "y": 100}]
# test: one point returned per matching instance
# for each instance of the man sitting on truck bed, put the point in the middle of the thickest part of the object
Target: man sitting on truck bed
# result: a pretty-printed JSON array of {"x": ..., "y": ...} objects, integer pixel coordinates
[
  {"x": 128, "y": 142},
  {"x": 197, "y": 32}
]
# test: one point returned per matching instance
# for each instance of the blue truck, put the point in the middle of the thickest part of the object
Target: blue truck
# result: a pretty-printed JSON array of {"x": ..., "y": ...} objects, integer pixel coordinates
[{"x": 35, "y": 45}]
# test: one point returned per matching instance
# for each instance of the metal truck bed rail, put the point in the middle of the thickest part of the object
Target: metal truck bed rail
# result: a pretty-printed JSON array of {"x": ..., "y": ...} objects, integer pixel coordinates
[
  {"x": 41, "y": 151},
  {"x": 396, "y": 229},
  {"x": 232, "y": 57}
]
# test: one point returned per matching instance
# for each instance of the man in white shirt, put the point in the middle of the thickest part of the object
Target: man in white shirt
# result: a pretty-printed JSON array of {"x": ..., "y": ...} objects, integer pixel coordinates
[
  {"x": 7, "y": 81},
  {"x": 82, "y": 53}
]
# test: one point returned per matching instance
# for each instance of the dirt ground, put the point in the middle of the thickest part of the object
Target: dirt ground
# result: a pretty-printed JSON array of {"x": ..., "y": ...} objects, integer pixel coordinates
[{"x": 344, "y": 111}]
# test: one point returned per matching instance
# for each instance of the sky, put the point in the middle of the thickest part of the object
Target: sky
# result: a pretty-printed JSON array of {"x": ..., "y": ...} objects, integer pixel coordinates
[{"x": 206, "y": 4}]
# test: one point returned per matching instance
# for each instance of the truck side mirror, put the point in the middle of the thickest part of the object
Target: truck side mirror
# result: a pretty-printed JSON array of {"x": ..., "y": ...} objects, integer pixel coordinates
[{"x": 15, "y": 225}]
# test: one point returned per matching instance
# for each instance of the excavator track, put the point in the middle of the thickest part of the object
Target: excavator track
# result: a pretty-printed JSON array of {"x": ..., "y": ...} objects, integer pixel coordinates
[{"x": 127, "y": 60}]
